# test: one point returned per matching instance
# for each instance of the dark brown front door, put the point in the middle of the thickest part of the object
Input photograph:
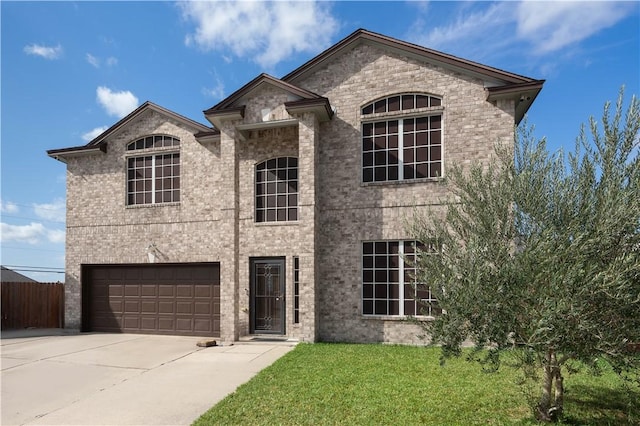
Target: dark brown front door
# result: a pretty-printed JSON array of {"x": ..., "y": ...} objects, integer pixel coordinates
[{"x": 267, "y": 296}]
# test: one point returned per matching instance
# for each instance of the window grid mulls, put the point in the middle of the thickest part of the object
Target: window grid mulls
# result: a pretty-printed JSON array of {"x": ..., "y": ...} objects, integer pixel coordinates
[
  {"x": 402, "y": 149},
  {"x": 153, "y": 179},
  {"x": 277, "y": 190},
  {"x": 389, "y": 285},
  {"x": 155, "y": 141}
]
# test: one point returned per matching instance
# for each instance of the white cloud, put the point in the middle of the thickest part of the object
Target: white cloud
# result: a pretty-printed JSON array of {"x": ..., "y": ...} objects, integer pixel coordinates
[
  {"x": 480, "y": 29},
  {"x": 266, "y": 32},
  {"x": 94, "y": 133},
  {"x": 54, "y": 211},
  {"x": 96, "y": 62},
  {"x": 116, "y": 103},
  {"x": 93, "y": 61},
  {"x": 467, "y": 35},
  {"x": 31, "y": 233},
  {"x": 46, "y": 52},
  {"x": 550, "y": 26},
  {"x": 56, "y": 236},
  {"x": 217, "y": 91},
  {"x": 8, "y": 207}
]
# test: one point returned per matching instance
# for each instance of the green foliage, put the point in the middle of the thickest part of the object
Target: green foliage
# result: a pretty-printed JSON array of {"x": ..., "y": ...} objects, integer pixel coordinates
[
  {"x": 542, "y": 251},
  {"x": 346, "y": 384}
]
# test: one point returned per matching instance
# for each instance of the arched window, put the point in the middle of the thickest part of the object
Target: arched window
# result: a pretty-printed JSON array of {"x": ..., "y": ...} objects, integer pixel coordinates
[
  {"x": 153, "y": 178},
  {"x": 277, "y": 190},
  {"x": 402, "y": 138}
]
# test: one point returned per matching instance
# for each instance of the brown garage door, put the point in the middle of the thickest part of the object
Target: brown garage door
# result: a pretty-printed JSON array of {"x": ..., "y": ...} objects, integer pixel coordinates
[{"x": 180, "y": 299}]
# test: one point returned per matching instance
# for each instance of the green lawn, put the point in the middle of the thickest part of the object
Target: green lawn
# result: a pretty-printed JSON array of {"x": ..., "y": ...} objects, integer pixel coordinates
[{"x": 404, "y": 385}]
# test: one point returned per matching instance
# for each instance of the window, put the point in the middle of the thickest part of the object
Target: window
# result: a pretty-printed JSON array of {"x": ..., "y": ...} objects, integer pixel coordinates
[
  {"x": 389, "y": 285},
  {"x": 155, "y": 141},
  {"x": 153, "y": 178},
  {"x": 402, "y": 148},
  {"x": 277, "y": 190}
]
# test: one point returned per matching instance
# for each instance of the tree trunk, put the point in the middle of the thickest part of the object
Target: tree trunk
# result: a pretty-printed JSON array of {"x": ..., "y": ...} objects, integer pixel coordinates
[{"x": 551, "y": 409}]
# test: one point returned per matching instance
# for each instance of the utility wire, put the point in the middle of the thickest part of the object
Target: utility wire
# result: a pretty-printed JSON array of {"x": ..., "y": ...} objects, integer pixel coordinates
[{"x": 35, "y": 268}]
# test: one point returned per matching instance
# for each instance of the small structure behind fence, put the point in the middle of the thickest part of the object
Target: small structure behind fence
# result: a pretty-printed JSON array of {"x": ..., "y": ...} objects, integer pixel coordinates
[{"x": 37, "y": 305}]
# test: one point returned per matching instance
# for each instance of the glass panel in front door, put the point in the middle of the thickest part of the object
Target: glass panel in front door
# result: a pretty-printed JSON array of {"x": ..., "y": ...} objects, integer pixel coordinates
[{"x": 268, "y": 297}]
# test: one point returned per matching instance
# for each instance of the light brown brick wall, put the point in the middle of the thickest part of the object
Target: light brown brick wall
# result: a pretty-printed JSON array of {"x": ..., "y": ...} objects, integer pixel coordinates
[
  {"x": 350, "y": 211},
  {"x": 102, "y": 229},
  {"x": 215, "y": 219}
]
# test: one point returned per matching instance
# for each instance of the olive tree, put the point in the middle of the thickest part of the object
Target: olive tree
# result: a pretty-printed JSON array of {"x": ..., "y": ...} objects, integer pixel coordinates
[{"x": 541, "y": 252}]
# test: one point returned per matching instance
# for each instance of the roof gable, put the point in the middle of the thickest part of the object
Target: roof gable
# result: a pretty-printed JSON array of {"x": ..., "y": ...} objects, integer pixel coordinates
[
  {"x": 498, "y": 83},
  {"x": 99, "y": 144},
  {"x": 197, "y": 127},
  {"x": 10, "y": 276},
  {"x": 256, "y": 83},
  {"x": 443, "y": 59}
]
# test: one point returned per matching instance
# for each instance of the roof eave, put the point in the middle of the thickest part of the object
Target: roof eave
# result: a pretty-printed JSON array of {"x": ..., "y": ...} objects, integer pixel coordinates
[
  {"x": 443, "y": 58},
  {"x": 216, "y": 117},
  {"x": 76, "y": 151},
  {"x": 256, "y": 82},
  {"x": 208, "y": 137},
  {"x": 321, "y": 107},
  {"x": 524, "y": 94}
]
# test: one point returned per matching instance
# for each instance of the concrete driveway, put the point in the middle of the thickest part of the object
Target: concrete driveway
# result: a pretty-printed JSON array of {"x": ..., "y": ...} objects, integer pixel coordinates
[{"x": 121, "y": 379}]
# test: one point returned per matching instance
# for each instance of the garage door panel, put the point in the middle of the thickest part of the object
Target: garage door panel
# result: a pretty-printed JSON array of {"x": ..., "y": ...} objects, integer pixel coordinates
[
  {"x": 131, "y": 274},
  {"x": 202, "y": 325},
  {"x": 202, "y": 308},
  {"x": 184, "y": 324},
  {"x": 115, "y": 306},
  {"x": 114, "y": 274},
  {"x": 159, "y": 299},
  {"x": 167, "y": 291},
  {"x": 203, "y": 291},
  {"x": 166, "y": 324},
  {"x": 149, "y": 323},
  {"x": 166, "y": 307},
  {"x": 131, "y": 322},
  {"x": 132, "y": 289},
  {"x": 101, "y": 290},
  {"x": 149, "y": 307},
  {"x": 184, "y": 308},
  {"x": 149, "y": 290},
  {"x": 132, "y": 306},
  {"x": 184, "y": 290}
]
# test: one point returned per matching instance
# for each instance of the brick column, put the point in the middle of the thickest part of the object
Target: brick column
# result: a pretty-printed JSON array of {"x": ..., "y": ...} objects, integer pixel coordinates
[
  {"x": 308, "y": 138},
  {"x": 228, "y": 235}
]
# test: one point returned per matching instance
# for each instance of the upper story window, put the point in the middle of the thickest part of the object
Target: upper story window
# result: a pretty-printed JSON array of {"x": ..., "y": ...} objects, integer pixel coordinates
[
  {"x": 402, "y": 138},
  {"x": 153, "y": 178},
  {"x": 277, "y": 190},
  {"x": 156, "y": 141}
]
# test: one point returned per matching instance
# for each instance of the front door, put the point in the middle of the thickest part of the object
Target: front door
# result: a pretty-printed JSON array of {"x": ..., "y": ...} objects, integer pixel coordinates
[{"x": 267, "y": 296}]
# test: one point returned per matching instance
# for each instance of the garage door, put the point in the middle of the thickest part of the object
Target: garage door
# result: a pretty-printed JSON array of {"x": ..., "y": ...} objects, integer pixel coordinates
[{"x": 180, "y": 299}]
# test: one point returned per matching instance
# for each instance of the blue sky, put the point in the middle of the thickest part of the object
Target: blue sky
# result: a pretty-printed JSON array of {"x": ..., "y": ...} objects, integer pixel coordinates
[{"x": 69, "y": 70}]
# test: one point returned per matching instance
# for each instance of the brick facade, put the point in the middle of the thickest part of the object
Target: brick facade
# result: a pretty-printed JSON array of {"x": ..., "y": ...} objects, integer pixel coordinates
[{"x": 214, "y": 220}]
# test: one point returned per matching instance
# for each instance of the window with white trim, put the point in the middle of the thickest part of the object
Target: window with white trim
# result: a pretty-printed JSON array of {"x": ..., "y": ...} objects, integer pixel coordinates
[
  {"x": 389, "y": 285},
  {"x": 402, "y": 138},
  {"x": 277, "y": 190},
  {"x": 153, "y": 178}
]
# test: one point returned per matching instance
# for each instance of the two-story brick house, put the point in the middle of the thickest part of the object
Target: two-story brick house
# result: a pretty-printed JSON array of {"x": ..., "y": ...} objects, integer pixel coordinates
[{"x": 287, "y": 216}]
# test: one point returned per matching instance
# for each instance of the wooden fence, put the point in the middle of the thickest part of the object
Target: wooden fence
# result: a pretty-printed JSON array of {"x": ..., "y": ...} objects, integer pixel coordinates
[{"x": 38, "y": 305}]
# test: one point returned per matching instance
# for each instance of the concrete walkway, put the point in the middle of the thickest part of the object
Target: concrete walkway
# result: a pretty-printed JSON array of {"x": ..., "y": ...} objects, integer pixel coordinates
[{"x": 121, "y": 379}]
